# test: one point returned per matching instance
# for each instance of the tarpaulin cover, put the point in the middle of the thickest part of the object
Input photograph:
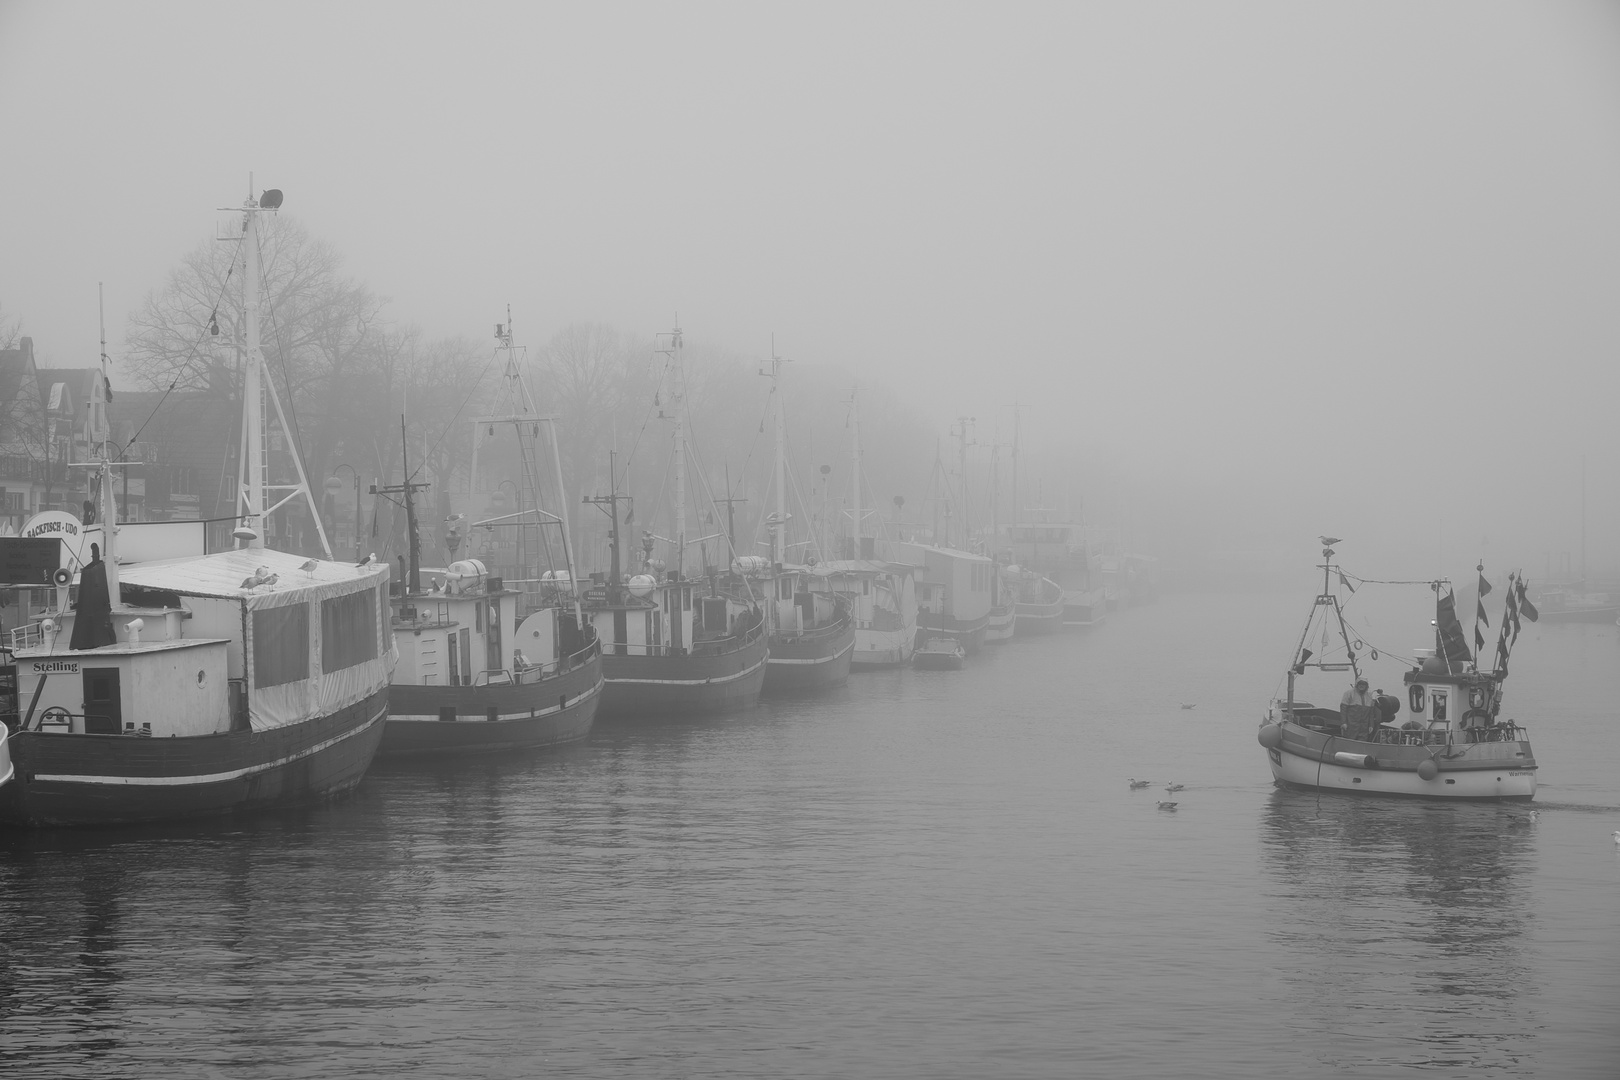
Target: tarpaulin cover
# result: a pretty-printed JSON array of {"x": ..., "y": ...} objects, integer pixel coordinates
[{"x": 285, "y": 688}]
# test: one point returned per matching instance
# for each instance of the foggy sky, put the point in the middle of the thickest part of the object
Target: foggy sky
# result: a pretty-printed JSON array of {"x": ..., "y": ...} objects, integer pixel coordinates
[{"x": 1272, "y": 269}]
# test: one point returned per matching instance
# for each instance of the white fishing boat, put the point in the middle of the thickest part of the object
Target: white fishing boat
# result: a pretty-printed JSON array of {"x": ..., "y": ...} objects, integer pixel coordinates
[
  {"x": 1455, "y": 742},
  {"x": 207, "y": 683},
  {"x": 489, "y": 664},
  {"x": 881, "y": 594}
]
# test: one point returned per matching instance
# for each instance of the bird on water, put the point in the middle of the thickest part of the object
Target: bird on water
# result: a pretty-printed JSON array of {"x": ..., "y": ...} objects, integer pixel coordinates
[
  {"x": 1138, "y": 784},
  {"x": 1166, "y": 805},
  {"x": 1174, "y": 787}
]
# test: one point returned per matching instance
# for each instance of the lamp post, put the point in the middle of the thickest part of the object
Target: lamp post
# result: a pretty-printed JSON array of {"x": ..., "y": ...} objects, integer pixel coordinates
[{"x": 334, "y": 484}]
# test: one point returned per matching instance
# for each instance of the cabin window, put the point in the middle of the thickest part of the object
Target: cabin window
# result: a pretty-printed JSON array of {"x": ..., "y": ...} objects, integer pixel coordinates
[
  {"x": 478, "y": 617},
  {"x": 1414, "y": 697},
  {"x": 348, "y": 630},
  {"x": 280, "y": 645},
  {"x": 1438, "y": 699},
  {"x": 1476, "y": 697},
  {"x": 686, "y": 598}
]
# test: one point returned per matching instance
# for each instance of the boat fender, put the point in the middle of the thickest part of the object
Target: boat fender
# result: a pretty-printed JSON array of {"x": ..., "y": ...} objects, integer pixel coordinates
[
  {"x": 1271, "y": 736},
  {"x": 1359, "y": 761},
  {"x": 1428, "y": 769}
]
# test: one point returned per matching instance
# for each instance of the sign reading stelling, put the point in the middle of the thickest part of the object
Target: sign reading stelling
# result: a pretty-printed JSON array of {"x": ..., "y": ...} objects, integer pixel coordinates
[{"x": 28, "y": 561}]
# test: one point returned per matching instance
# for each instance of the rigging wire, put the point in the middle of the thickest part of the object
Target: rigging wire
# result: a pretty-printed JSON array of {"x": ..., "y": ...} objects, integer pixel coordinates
[{"x": 185, "y": 365}]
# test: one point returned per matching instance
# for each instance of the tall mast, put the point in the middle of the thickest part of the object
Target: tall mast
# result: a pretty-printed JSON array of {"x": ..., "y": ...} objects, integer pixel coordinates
[
  {"x": 677, "y": 398},
  {"x": 250, "y": 501},
  {"x": 779, "y": 417},
  {"x": 962, "y": 423},
  {"x": 1015, "y": 464},
  {"x": 855, "y": 472},
  {"x": 254, "y": 488}
]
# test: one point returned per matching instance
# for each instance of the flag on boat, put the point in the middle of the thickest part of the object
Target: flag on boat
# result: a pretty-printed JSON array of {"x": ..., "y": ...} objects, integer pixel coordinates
[
  {"x": 1453, "y": 643},
  {"x": 1525, "y": 606},
  {"x": 1346, "y": 583}
]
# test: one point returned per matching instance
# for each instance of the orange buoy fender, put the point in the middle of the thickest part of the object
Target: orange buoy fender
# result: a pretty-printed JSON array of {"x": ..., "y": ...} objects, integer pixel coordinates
[
  {"x": 1271, "y": 736},
  {"x": 1428, "y": 769}
]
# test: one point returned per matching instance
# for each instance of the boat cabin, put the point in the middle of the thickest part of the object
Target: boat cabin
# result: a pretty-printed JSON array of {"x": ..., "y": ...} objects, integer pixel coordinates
[
  {"x": 224, "y": 642},
  {"x": 950, "y": 583},
  {"x": 461, "y": 632},
  {"x": 669, "y": 617}
]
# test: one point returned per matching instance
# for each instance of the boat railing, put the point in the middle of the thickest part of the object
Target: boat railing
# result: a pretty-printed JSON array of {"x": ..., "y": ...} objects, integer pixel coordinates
[
  {"x": 27, "y": 636},
  {"x": 532, "y": 673}
]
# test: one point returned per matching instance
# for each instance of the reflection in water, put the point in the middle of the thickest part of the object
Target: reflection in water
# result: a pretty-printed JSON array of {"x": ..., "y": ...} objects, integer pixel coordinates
[{"x": 1407, "y": 922}]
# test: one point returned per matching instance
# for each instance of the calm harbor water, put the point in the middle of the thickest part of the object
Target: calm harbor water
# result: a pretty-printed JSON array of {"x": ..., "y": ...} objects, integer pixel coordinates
[{"x": 927, "y": 874}]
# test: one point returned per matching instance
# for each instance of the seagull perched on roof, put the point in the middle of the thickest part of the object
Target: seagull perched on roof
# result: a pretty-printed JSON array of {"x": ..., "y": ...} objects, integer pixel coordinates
[
  {"x": 309, "y": 566},
  {"x": 261, "y": 576},
  {"x": 367, "y": 559}
]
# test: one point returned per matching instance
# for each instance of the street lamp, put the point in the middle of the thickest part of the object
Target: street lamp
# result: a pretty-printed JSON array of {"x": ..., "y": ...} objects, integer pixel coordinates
[{"x": 334, "y": 485}]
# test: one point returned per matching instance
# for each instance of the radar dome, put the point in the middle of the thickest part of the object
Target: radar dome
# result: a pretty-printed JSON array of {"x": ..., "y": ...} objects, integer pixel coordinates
[{"x": 642, "y": 584}]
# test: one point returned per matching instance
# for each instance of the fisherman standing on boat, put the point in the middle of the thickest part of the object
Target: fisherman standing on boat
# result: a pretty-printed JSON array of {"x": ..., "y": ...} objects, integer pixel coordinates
[{"x": 1356, "y": 709}]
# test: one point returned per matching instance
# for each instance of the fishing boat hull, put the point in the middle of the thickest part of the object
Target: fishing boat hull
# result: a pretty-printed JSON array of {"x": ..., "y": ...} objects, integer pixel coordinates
[
  {"x": 1001, "y": 625},
  {"x": 693, "y": 684},
  {"x": 1301, "y": 757},
  {"x": 810, "y": 661},
  {"x": 969, "y": 633},
  {"x": 1035, "y": 619},
  {"x": 877, "y": 649},
  {"x": 1083, "y": 611},
  {"x": 101, "y": 780},
  {"x": 522, "y": 716}
]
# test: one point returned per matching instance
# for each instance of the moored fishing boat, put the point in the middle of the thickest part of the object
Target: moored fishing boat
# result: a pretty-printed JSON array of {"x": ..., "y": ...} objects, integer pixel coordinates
[
  {"x": 477, "y": 672},
  {"x": 883, "y": 602},
  {"x": 672, "y": 646},
  {"x": 1039, "y": 601},
  {"x": 953, "y": 592},
  {"x": 881, "y": 596},
  {"x": 207, "y": 683},
  {"x": 1455, "y": 743},
  {"x": 810, "y": 635}
]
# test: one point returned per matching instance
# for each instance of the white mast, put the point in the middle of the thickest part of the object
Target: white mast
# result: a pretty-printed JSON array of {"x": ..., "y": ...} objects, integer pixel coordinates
[
  {"x": 962, "y": 423},
  {"x": 253, "y": 484},
  {"x": 779, "y": 416},
  {"x": 678, "y": 401},
  {"x": 250, "y": 497},
  {"x": 109, "y": 501},
  {"x": 855, "y": 472}
]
